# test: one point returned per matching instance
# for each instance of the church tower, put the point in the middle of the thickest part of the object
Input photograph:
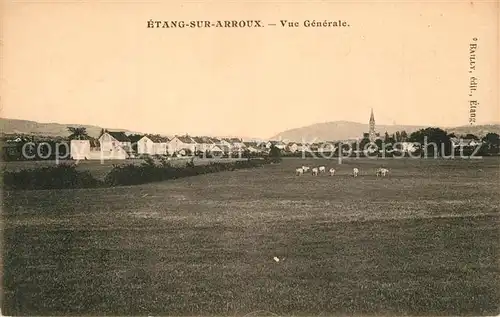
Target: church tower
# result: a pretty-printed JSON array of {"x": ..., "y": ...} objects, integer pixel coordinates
[{"x": 371, "y": 134}]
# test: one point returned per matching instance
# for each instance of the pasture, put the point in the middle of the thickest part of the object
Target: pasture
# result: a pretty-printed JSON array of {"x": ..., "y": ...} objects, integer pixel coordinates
[{"x": 422, "y": 241}]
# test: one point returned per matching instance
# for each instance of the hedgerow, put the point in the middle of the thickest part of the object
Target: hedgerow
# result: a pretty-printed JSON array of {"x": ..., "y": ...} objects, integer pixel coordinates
[
  {"x": 67, "y": 176},
  {"x": 50, "y": 177}
]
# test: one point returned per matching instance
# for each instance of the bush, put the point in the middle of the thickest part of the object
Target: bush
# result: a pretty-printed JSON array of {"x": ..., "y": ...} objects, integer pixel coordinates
[
  {"x": 150, "y": 172},
  {"x": 274, "y": 155},
  {"x": 51, "y": 177},
  {"x": 66, "y": 176},
  {"x": 190, "y": 164}
]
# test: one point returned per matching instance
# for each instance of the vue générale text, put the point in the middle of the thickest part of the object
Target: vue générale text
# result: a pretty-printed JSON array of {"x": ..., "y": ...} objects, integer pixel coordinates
[{"x": 169, "y": 24}]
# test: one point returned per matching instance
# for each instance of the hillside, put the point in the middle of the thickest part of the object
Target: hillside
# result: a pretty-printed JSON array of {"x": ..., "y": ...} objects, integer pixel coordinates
[
  {"x": 15, "y": 126},
  {"x": 337, "y": 130},
  {"x": 328, "y": 131},
  {"x": 345, "y": 130},
  {"x": 479, "y": 130}
]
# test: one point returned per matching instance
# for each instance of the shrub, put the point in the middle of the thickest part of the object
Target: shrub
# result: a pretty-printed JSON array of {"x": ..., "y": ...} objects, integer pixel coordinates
[
  {"x": 66, "y": 176},
  {"x": 274, "y": 155},
  {"x": 190, "y": 164},
  {"x": 150, "y": 172},
  {"x": 51, "y": 177}
]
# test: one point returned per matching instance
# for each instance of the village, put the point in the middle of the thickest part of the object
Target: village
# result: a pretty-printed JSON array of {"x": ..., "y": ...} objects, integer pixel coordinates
[
  {"x": 118, "y": 145},
  {"x": 122, "y": 145}
]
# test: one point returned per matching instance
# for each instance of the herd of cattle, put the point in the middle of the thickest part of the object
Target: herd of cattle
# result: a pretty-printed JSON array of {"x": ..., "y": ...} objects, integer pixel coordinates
[{"x": 322, "y": 169}]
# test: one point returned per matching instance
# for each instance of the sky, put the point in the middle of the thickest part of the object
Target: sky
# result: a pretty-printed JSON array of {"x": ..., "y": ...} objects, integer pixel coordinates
[{"x": 96, "y": 62}]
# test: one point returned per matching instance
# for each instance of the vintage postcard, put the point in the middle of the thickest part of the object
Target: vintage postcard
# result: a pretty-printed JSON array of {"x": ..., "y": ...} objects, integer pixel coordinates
[{"x": 250, "y": 158}]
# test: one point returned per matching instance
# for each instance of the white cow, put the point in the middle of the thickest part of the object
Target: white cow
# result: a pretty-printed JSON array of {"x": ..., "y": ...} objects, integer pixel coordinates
[
  {"x": 382, "y": 172},
  {"x": 305, "y": 168},
  {"x": 355, "y": 172},
  {"x": 314, "y": 171},
  {"x": 299, "y": 171},
  {"x": 332, "y": 171},
  {"x": 322, "y": 169}
]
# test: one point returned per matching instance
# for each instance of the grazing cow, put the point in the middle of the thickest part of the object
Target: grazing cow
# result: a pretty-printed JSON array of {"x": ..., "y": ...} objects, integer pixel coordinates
[
  {"x": 314, "y": 171},
  {"x": 332, "y": 171},
  {"x": 299, "y": 171},
  {"x": 382, "y": 172},
  {"x": 355, "y": 172},
  {"x": 322, "y": 169},
  {"x": 305, "y": 168}
]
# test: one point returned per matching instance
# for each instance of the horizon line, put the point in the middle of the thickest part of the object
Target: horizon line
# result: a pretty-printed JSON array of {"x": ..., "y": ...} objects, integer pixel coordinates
[{"x": 230, "y": 135}]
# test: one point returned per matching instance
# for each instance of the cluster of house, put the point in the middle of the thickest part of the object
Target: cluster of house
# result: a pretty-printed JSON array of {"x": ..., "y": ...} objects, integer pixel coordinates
[{"x": 118, "y": 145}]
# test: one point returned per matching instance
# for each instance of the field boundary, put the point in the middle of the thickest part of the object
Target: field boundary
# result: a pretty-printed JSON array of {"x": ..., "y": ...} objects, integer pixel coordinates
[{"x": 66, "y": 176}]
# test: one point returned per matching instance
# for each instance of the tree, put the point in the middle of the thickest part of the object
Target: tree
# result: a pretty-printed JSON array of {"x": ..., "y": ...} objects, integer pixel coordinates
[
  {"x": 187, "y": 151},
  {"x": 363, "y": 143},
  {"x": 190, "y": 164},
  {"x": 470, "y": 136},
  {"x": 404, "y": 136},
  {"x": 386, "y": 137},
  {"x": 388, "y": 142},
  {"x": 274, "y": 154},
  {"x": 78, "y": 133},
  {"x": 398, "y": 136},
  {"x": 379, "y": 143},
  {"x": 492, "y": 141},
  {"x": 436, "y": 138},
  {"x": 246, "y": 153}
]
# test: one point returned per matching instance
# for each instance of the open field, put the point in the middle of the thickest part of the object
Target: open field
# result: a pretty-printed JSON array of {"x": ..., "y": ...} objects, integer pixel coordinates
[{"x": 423, "y": 241}]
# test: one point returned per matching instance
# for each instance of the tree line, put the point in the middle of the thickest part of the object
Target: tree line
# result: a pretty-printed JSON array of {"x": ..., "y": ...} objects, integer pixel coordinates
[{"x": 490, "y": 144}]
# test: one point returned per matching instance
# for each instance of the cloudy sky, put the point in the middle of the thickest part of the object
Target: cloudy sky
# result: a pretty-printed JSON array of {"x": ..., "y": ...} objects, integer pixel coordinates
[{"x": 95, "y": 62}]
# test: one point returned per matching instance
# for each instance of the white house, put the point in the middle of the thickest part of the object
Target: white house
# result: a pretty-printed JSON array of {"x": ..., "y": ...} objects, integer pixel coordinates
[
  {"x": 409, "y": 147},
  {"x": 80, "y": 149},
  {"x": 180, "y": 144},
  {"x": 326, "y": 147},
  {"x": 117, "y": 153},
  {"x": 252, "y": 147},
  {"x": 279, "y": 144},
  {"x": 292, "y": 147},
  {"x": 152, "y": 145},
  {"x": 225, "y": 142},
  {"x": 146, "y": 146},
  {"x": 204, "y": 143},
  {"x": 226, "y": 149},
  {"x": 235, "y": 143},
  {"x": 459, "y": 142},
  {"x": 115, "y": 145},
  {"x": 109, "y": 140},
  {"x": 216, "y": 150}
]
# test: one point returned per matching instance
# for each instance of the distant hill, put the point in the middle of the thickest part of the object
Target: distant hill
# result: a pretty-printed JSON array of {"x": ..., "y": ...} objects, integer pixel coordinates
[
  {"x": 338, "y": 130},
  {"x": 346, "y": 130},
  {"x": 328, "y": 131},
  {"x": 478, "y": 130},
  {"x": 15, "y": 126}
]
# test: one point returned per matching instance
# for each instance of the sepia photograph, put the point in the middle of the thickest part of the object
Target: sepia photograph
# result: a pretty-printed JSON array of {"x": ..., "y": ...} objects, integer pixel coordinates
[{"x": 250, "y": 158}]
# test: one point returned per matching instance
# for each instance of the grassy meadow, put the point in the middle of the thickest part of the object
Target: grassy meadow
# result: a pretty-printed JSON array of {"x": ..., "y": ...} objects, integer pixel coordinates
[{"x": 423, "y": 241}]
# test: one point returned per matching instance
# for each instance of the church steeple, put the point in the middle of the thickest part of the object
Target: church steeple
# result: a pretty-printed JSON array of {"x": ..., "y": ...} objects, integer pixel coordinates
[{"x": 371, "y": 134}]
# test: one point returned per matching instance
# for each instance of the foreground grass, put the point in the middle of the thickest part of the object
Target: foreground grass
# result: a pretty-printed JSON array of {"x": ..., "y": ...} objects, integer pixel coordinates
[{"x": 423, "y": 242}]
